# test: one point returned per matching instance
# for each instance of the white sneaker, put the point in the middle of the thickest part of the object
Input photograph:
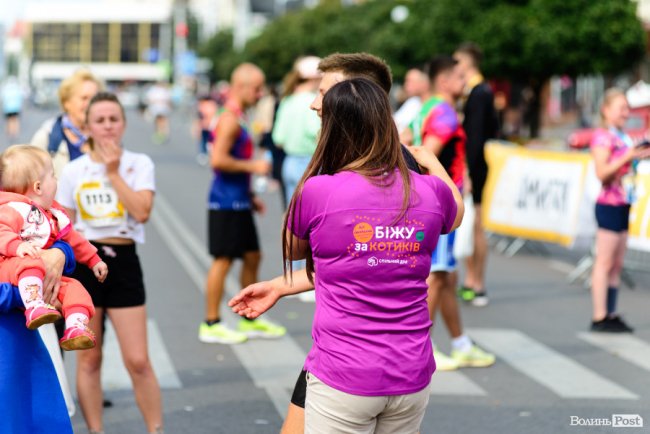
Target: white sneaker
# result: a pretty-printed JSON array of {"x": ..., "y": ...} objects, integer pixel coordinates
[
  {"x": 220, "y": 334},
  {"x": 473, "y": 358},
  {"x": 443, "y": 362},
  {"x": 480, "y": 299},
  {"x": 261, "y": 328}
]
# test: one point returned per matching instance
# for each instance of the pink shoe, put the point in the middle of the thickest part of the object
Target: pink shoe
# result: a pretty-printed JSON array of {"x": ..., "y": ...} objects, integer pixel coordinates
[
  {"x": 41, "y": 314},
  {"x": 77, "y": 338}
]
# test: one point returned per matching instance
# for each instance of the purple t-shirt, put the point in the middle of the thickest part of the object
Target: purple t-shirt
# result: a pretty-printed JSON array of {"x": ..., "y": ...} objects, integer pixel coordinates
[{"x": 371, "y": 323}]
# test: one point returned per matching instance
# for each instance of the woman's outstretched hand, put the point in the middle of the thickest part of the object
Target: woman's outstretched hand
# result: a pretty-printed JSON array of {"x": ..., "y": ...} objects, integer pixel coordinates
[{"x": 254, "y": 300}]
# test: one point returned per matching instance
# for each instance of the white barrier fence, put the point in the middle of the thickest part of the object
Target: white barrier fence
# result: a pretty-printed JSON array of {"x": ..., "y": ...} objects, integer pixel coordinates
[{"x": 549, "y": 196}]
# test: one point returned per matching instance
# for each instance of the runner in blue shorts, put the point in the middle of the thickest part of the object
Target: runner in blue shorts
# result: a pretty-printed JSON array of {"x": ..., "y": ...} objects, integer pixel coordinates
[{"x": 438, "y": 128}]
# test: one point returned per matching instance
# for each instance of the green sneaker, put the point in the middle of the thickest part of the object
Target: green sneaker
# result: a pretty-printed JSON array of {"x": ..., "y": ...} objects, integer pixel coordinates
[
  {"x": 261, "y": 328},
  {"x": 474, "y": 358},
  {"x": 220, "y": 334},
  {"x": 444, "y": 362},
  {"x": 466, "y": 294}
]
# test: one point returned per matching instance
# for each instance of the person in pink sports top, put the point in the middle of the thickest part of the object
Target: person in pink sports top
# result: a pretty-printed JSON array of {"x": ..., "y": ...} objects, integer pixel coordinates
[{"x": 614, "y": 155}]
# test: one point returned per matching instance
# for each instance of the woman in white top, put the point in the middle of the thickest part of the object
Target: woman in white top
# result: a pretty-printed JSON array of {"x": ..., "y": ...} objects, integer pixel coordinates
[{"x": 109, "y": 192}]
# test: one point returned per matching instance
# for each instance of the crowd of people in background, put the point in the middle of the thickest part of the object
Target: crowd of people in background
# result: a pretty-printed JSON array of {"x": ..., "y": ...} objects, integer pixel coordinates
[{"x": 334, "y": 146}]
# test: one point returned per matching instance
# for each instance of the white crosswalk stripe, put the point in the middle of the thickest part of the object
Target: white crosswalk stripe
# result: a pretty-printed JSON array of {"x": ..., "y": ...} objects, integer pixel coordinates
[
  {"x": 454, "y": 383},
  {"x": 627, "y": 347},
  {"x": 114, "y": 374},
  {"x": 559, "y": 373}
]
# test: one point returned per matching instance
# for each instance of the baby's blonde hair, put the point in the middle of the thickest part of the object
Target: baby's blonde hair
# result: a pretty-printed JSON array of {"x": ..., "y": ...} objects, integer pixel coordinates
[{"x": 21, "y": 166}]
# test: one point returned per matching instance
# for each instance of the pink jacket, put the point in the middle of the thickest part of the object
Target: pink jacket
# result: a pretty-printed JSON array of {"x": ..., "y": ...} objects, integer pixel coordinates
[{"x": 22, "y": 220}]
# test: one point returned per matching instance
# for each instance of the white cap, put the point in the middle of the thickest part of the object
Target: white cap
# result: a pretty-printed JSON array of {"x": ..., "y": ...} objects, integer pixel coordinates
[{"x": 307, "y": 67}]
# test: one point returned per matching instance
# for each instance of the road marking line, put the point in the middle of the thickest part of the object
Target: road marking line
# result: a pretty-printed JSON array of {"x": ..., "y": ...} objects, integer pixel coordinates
[
  {"x": 628, "y": 348},
  {"x": 164, "y": 209},
  {"x": 454, "y": 383},
  {"x": 273, "y": 365},
  {"x": 180, "y": 241},
  {"x": 559, "y": 373},
  {"x": 560, "y": 266},
  {"x": 114, "y": 374}
]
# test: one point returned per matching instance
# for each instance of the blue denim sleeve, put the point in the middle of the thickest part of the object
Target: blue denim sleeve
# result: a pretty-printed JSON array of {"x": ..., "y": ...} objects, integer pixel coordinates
[
  {"x": 9, "y": 297},
  {"x": 70, "y": 262}
]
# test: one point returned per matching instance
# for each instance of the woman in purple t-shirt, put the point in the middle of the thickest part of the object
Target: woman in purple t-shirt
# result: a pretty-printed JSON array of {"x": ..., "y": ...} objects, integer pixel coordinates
[
  {"x": 614, "y": 154},
  {"x": 369, "y": 226}
]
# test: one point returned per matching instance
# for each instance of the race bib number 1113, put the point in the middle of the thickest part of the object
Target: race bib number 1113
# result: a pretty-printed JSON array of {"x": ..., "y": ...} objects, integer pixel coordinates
[{"x": 99, "y": 205}]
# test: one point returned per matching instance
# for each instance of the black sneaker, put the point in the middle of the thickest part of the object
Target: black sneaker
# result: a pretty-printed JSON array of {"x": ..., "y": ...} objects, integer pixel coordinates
[
  {"x": 609, "y": 325},
  {"x": 622, "y": 324}
]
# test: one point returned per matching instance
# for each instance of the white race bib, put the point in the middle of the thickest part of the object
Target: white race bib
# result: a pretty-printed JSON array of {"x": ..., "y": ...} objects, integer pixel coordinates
[{"x": 99, "y": 205}]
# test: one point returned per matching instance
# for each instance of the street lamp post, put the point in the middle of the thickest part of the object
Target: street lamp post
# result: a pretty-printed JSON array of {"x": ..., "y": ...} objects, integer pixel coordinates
[
  {"x": 242, "y": 23},
  {"x": 180, "y": 36}
]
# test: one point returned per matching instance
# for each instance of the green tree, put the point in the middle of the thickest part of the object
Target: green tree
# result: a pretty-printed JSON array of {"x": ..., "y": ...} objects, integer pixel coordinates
[
  {"x": 325, "y": 29},
  {"x": 219, "y": 49},
  {"x": 575, "y": 37},
  {"x": 527, "y": 41}
]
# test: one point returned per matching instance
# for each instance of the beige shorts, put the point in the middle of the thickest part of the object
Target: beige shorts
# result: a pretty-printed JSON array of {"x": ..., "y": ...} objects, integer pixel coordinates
[{"x": 331, "y": 411}]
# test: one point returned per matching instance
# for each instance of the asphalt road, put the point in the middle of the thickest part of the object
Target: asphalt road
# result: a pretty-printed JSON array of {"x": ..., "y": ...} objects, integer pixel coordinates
[{"x": 549, "y": 373}]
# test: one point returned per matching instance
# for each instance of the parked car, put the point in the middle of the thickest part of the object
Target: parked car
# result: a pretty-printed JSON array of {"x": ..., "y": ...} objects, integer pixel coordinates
[{"x": 637, "y": 126}]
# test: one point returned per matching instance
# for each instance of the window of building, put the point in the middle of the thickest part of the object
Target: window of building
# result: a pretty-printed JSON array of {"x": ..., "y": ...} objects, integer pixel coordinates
[
  {"x": 56, "y": 42},
  {"x": 100, "y": 42},
  {"x": 155, "y": 35},
  {"x": 129, "y": 43},
  {"x": 151, "y": 53}
]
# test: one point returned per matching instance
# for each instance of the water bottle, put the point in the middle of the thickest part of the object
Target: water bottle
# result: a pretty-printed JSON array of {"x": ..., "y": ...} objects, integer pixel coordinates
[{"x": 261, "y": 182}]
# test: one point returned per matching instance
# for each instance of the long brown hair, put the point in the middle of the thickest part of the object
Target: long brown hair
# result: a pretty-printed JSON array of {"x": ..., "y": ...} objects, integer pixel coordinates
[
  {"x": 289, "y": 83},
  {"x": 357, "y": 134}
]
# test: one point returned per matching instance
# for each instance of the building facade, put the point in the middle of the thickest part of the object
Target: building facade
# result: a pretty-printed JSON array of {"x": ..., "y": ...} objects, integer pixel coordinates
[{"x": 117, "y": 39}]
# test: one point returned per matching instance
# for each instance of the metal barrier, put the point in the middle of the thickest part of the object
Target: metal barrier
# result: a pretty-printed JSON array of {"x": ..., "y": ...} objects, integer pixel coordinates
[{"x": 635, "y": 260}]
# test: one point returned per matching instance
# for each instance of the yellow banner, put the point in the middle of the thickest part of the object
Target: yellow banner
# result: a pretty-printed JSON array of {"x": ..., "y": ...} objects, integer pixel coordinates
[
  {"x": 534, "y": 194},
  {"x": 639, "y": 234}
]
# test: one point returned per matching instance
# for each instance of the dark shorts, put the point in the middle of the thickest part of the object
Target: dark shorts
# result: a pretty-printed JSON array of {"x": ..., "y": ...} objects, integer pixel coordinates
[
  {"x": 614, "y": 218},
  {"x": 478, "y": 175},
  {"x": 231, "y": 233},
  {"x": 300, "y": 390},
  {"x": 124, "y": 285},
  {"x": 11, "y": 115}
]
